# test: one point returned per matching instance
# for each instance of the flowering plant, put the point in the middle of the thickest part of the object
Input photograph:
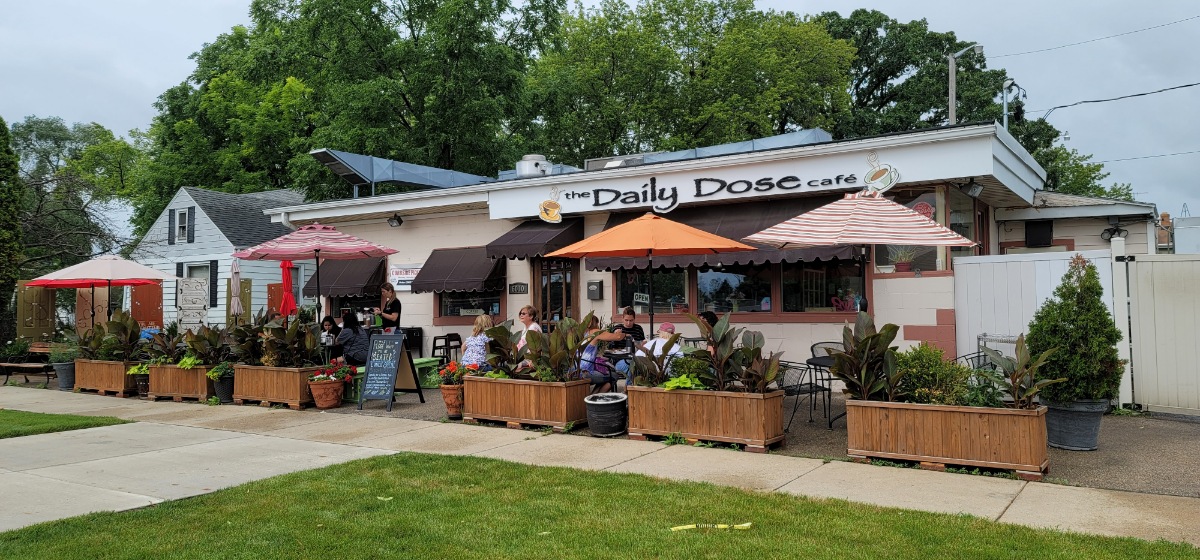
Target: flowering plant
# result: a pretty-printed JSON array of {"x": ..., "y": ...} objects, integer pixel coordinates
[
  {"x": 452, "y": 373},
  {"x": 335, "y": 372}
]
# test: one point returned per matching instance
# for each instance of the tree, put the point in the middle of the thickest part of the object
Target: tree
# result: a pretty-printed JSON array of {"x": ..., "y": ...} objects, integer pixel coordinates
[{"x": 11, "y": 194}]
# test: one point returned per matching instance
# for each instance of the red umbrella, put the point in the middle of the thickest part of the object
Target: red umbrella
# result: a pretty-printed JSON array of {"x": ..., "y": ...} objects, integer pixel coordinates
[
  {"x": 105, "y": 270},
  {"x": 859, "y": 219},
  {"x": 287, "y": 305},
  {"x": 317, "y": 241}
]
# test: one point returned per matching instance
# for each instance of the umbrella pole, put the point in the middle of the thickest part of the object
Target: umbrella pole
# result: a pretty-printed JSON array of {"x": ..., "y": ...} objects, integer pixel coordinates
[
  {"x": 317, "y": 259},
  {"x": 92, "y": 305},
  {"x": 650, "y": 255}
]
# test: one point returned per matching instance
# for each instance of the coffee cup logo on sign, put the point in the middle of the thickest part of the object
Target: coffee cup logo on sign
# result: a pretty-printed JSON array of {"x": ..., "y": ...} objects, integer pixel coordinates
[
  {"x": 882, "y": 176},
  {"x": 549, "y": 210}
]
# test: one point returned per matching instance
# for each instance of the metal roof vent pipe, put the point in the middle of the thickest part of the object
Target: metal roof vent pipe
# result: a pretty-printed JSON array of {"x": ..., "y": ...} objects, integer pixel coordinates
[{"x": 533, "y": 165}]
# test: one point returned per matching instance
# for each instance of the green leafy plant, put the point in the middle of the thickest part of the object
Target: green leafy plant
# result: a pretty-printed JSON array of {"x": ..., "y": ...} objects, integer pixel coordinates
[
  {"x": 550, "y": 357},
  {"x": 16, "y": 350},
  {"x": 675, "y": 439},
  {"x": 867, "y": 365},
  {"x": 653, "y": 371},
  {"x": 295, "y": 346},
  {"x": 503, "y": 355},
  {"x": 126, "y": 336},
  {"x": 902, "y": 253},
  {"x": 164, "y": 348},
  {"x": 61, "y": 352},
  {"x": 692, "y": 366},
  {"x": 223, "y": 369},
  {"x": 91, "y": 344},
  {"x": 210, "y": 346},
  {"x": 982, "y": 391},
  {"x": 725, "y": 359},
  {"x": 138, "y": 369},
  {"x": 246, "y": 340},
  {"x": 1018, "y": 376},
  {"x": 927, "y": 377},
  {"x": 213, "y": 401},
  {"x": 1076, "y": 321},
  {"x": 758, "y": 372},
  {"x": 189, "y": 361},
  {"x": 685, "y": 381}
]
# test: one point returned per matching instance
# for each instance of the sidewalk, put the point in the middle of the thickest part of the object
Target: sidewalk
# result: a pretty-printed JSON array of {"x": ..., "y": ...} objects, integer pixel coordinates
[{"x": 178, "y": 450}]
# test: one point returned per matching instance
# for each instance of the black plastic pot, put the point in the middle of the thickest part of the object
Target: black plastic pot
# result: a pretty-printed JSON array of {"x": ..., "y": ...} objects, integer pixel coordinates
[
  {"x": 223, "y": 387},
  {"x": 1075, "y": 425},
  {"x": 143, "y": 384},
  {"x": 65, "y": 372},
  {"x": 607, "y": 413}
]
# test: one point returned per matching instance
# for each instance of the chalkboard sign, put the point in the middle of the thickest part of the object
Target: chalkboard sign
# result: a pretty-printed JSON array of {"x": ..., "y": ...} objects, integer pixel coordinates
[{"x": 386, "y": 360}]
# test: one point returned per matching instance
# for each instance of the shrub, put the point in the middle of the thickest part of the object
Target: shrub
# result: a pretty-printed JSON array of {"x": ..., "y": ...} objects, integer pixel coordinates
[
  {"x": 867, "y": 365},
  {"x": 1076, "y": 321},
  {"x": 927, "y": 377}
]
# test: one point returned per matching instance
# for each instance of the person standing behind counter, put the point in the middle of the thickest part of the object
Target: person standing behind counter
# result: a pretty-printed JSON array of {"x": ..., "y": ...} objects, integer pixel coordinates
[{"x": 390, "y": 312}]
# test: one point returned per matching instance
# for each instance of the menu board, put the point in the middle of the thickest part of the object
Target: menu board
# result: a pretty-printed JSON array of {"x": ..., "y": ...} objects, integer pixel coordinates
[{"x": 389, "y": 369}]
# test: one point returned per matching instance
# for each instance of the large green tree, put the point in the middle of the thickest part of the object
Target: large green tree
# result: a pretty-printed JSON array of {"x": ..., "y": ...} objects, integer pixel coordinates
[{"x": 11, "y": 194}]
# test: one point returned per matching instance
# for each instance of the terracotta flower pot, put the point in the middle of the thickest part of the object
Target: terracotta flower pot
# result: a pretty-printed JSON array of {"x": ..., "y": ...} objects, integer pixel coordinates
[
  {"x": 327, "y": 394},
  {"x": 903, "y": 267},
  {"x": 453, "y": 395}
]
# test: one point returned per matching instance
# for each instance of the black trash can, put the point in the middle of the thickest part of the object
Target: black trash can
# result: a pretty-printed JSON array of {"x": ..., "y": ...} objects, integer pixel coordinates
[{"x": 607, "y": 413}]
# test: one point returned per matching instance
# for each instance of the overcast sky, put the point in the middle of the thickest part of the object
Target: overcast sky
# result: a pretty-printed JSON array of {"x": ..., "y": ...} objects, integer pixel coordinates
[{"x": 108, "y": 61}]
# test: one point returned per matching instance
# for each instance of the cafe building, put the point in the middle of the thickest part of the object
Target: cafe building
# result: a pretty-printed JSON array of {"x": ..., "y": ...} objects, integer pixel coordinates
[{"x": 469, "y": 245}]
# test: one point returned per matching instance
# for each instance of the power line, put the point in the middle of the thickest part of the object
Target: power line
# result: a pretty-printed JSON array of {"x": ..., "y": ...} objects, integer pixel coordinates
[
  {"x": 1147, "y": 157},
  {"x": 1144, "y": 93},
  {"x": 1094, "y": 40}
]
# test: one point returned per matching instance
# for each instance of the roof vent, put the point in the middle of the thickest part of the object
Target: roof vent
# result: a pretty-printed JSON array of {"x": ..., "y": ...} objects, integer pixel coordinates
[{"x": 532, "y": 165}]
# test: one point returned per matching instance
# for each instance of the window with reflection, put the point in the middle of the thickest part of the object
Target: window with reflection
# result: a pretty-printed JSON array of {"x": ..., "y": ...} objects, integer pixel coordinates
[
  {"x": 670, "y": 290},
  {"x": 469, "y": 304},
  {"x": 924, "y": 201},
  {"x": 822, "y": 286},
  {"x": 736, "y": 288},
  {"x": 965, "y": 219}
]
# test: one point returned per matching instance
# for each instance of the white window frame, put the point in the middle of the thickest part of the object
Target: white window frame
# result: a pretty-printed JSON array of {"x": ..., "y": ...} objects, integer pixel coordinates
[{"x": 181, "y": 224}]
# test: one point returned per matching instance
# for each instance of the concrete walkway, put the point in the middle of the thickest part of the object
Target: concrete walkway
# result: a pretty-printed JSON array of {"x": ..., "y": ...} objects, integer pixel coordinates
[{"x": 177, "y": 450}]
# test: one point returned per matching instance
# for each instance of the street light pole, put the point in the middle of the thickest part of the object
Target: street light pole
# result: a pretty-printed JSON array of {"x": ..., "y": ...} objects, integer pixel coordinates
[{"x": 952, "y": 61}]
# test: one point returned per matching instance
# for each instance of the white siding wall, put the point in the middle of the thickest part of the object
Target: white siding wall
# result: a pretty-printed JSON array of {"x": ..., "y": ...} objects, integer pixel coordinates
[
  {"x": 209, "y": 244},
  {"x": 1086, "y": 233}
]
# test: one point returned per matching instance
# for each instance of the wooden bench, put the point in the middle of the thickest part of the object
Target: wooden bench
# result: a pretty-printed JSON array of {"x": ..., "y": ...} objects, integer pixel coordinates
[{"x": 25, "y": 370}]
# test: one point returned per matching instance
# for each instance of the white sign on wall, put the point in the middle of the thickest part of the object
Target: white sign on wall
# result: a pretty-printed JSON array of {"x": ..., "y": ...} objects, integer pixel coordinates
[{"x": 401, "y": 276}]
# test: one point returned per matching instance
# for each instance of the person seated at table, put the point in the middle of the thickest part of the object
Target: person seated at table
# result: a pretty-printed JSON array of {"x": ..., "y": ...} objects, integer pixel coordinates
[
  {"x": 658, "y": 346},
  {"x": 528, "y": 316},
  {"x": 355, "y": 341},
  {"x": 475, "y": 348},
  {"x": 710, "y": 318},
  {"x": 329, "y": 334},
  {"x": 598, "y": 369},
  {"x": 630, "y": 331}
]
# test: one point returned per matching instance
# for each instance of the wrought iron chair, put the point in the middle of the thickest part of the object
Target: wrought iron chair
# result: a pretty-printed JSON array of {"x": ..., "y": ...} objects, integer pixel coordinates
[
  {"x": 800, "y": 381},
  {"x": 820, "y": 362}
]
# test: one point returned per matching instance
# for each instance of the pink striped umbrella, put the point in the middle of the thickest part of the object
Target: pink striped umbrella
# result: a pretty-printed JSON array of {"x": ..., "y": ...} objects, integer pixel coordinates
[
  {"x": 316, "y": 241},
  {"x": 859, "y": 219}
]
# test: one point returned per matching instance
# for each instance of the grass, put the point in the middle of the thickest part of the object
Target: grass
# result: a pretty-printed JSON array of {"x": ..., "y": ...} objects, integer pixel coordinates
[
  {"x": 429, "y": 506},
  {"x": 16, "y": 423}
]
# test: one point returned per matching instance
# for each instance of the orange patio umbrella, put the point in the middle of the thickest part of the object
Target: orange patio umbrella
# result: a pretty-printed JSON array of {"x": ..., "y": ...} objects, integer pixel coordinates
[{"x": 648, "y": 236}]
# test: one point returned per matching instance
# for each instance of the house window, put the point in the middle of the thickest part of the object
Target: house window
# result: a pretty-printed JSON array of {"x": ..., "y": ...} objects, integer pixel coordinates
[
  {"x": 737, "y": 288},
  {"x": 181, "y": 225},
  {"x": 469, "y": 304},
  {"x": 670, "y": 291},
  {"x": 198, "y": 271},
  {"x": 821, "y": 286}
]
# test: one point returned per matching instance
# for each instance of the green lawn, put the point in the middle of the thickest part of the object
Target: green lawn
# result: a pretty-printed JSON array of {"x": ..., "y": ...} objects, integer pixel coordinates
[
  {"x": 15, "y": 423},
  {"x": 428, "y": 506}
]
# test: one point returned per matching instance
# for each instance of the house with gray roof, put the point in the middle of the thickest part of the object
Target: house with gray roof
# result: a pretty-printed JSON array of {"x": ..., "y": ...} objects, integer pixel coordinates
[{"x": 194, "y": 239}]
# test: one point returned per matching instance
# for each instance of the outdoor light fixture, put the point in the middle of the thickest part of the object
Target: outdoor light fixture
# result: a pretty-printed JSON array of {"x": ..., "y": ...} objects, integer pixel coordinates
[
  {"x": 952, "y": 61},
  {"x": 972, "y": 189},
  {"x": 395, "y": 220}
]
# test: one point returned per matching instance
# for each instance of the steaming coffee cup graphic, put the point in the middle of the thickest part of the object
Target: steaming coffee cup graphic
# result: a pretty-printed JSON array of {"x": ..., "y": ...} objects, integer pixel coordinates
[
  {"x": 549, "y": 211},
  {"x": 882, "y": 176}
]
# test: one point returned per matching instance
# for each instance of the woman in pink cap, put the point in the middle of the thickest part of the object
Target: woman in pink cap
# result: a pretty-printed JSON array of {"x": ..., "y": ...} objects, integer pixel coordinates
[{"x": 657, "y": 346}]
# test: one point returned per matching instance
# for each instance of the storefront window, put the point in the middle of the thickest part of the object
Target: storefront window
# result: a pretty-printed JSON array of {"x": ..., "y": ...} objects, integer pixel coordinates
[
  {"x": 822, "y": 286},
  {"x": 670, "y": 291},
  {"x": 738, "y": 289},
  {"x": 469, "y": 304},
  {"x": 923, "y": 201},
  {"x": 964, "y": 220}
]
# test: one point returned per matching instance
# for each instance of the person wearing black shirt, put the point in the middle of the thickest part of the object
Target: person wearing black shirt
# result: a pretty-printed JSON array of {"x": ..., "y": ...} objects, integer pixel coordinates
[
  {"x": 390, "y": 312},
  {"x": 629, "y": 328}
]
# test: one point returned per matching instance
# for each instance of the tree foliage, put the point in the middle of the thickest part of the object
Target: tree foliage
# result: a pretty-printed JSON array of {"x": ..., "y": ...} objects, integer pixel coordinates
[
  {"x": 11, "y": 194},
  {"x": 1076, "y": 322}
]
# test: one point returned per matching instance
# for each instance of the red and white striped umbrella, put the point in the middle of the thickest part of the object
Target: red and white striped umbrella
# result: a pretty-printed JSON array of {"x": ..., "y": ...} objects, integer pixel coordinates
[
  {"x": 311, "y": 241},
  {"x": 859, "y": 219},
  {"x": 315, "y": 241}
]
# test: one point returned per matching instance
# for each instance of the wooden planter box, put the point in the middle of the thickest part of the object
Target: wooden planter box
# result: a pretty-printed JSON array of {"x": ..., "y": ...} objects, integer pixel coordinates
[
  {"x": 272, "y": 385},
  {"x": 751, "y": 419},
  {"x": 936, "y": 435},
  {"x": 105, "y": 377},
  {"x": 178, "y": 383},
  {"x": 521, "y": 401}
]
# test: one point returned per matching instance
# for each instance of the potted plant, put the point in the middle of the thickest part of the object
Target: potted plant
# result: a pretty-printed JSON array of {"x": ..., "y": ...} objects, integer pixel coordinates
[
  {"x": 16, "y": 351},
  {"x": 140, "y": 372},
  {"x": 62, "y": 359},
  {"x": 327, "y": 384},
  {"x": 902, "y": 256},
  {"x": 285, "y": 356},
  {"x": 538, "y": 384},
  {"x": 914, "y": 405},
  {"x": 1076, "y": 321},
  {"x": 107, "y": 352},
  {"x": 733, "y": 385},
  {"x": 221, "y": 376},
  {"x": 172, "y": 369},
  {"x": 451, "y": 377}
]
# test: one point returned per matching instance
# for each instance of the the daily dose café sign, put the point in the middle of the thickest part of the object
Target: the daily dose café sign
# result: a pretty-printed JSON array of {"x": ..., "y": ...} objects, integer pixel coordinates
[{"x": 663, "y": 192}]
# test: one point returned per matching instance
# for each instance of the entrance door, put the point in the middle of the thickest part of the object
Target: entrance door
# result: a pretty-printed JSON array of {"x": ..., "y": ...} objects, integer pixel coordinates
[{"x": 554, "y": 290}]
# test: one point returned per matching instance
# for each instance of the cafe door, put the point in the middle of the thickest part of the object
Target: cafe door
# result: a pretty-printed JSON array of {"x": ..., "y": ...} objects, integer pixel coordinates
[{"x": 554, "y": 290}]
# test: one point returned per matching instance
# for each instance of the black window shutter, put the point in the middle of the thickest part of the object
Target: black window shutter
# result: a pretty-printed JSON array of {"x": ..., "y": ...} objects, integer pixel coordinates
[
  {"x": 179, "y": 273},
  {"x": 212, "y": 280},
  {"x": 192, "y": 225},
  {"x": 170, "y": 227}
]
